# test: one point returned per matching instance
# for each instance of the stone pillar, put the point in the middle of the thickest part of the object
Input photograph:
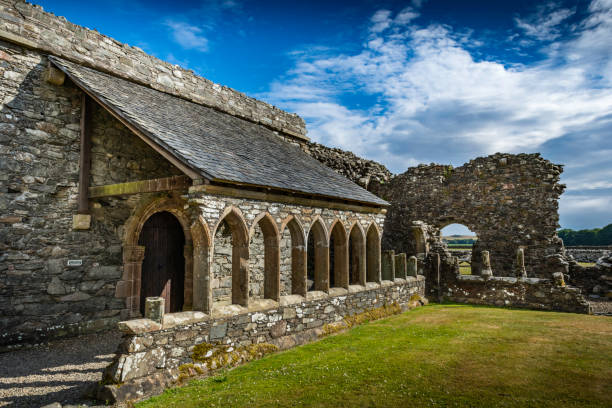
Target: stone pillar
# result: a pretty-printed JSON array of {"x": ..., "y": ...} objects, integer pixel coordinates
[
  {"x": 129, "y": 285},
  {"x": 412, "y": 266},
  {"x": 272, "y": 268},
  {"x": 188, "y": 282},
  {"x": 154, "y": 309},
  {"x": 388, "y": 265},
  {"x": 521, "y": 272},
  {"x": 240, "y": 275},
  {"x": 400, "y": 266},
  {"x": 202, "y": 292},
  {"x": 486, "y": 264},
  {"x": 298, "y": 270}
]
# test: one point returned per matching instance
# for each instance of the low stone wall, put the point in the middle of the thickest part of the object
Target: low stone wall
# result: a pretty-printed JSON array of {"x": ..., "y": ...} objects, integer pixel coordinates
[
  {"x": 529, "y": 293},
  {"x": 595, "y": 281},
  {"x": 151, "y": 355},
  {"x": 588, "y": 254}
]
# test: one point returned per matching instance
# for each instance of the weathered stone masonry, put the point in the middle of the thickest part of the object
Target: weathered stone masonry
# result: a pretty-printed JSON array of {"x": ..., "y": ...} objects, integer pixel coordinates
[
  {"x": 149, "y": 358},
  {"x": 509, "y": 201},
  {"x": 41, "y": 295}
]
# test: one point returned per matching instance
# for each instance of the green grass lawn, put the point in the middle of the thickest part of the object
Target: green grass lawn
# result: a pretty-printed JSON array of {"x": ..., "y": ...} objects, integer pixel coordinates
[{"x": 439, "y": 355}]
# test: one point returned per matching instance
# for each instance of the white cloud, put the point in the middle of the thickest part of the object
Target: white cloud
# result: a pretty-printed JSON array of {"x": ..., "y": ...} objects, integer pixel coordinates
[
  {"x": 544, "y": 25},
  {"x": 424, "y": 97},
  {"x": 188, "y": 36}
]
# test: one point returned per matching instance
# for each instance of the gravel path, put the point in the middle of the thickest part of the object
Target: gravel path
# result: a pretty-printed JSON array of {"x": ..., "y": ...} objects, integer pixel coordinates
[{"x": 54, "y": 372}]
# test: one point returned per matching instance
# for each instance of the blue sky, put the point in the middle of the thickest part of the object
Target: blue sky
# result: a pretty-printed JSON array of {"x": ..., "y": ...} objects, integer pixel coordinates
[{"x": 406, "y": 82}]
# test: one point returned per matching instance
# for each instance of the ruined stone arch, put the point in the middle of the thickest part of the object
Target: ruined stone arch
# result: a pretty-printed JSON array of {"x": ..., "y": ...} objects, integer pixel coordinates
[
  {"x": 298, "y": 254},
  {"x": 318, "y": 256},
  {"x": 339, "y": 253},
  {"x": 373, "y": 249},
  {"x": 357, "y": 255},
  {"x": 129, "y": 287},
  {"x": 271, "y": 242},
  {"x": 239, "y": 254}
]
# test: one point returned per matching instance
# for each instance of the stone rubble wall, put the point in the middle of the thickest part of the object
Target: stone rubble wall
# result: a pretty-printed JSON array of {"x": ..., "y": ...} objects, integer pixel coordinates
[
  {"x": 595, "y": 281},
  {"x": 28, "y": 24},
  {"x": 40, "y": 296},
  {"x": 366, "y": 173},
  {"x": 445, "y": 283},
  {"x": 529, "y": 293},
  {"x": 145, "y": 354},
  {"x": 588, "y": 255},
  {"x": 508, "y": 200}
]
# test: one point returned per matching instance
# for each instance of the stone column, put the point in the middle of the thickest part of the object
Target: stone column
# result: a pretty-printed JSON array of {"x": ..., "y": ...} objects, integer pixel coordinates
[
  {"x": 240, "y": 275},
  {"x": 521, "y": 272},
  {"x": 412, "y": 266},
  {"x": 486, "y": 264},
  {"x": 188, "y": 282},
  {"x": 272, "y": 268},
  {"x": 129, "y": 285},
  {"x": 154, "y": 309},
  {"x": 388, "y": 265},
  {"x": 400, "y": 266},
  {"x": 298, "y": 270},
  {"x": 202, "y": 292}
]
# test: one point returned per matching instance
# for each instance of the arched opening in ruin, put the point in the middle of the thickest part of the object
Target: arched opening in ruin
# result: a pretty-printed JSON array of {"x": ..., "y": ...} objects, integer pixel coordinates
[
  {"x": 293, "y": 267},
  {"x": 372, "y": 254},
  {"x": 338, "y": 257},
  {"x": 317, "y": 258},
  {"x": 163, "y": 266},
  {"x": 357, "y": 256},
  {"x": 230, "y": 261},
  {"x": 264, "y": 260},
  {"x": 460, "y": 241}
]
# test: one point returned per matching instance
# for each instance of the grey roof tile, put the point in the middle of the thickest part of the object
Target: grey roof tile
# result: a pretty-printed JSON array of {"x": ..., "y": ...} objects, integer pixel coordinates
[{"x": 213, "y": 143}]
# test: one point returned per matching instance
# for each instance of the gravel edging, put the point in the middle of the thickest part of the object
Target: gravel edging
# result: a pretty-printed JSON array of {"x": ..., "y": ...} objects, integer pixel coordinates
[{"x": 59, "y": 371}]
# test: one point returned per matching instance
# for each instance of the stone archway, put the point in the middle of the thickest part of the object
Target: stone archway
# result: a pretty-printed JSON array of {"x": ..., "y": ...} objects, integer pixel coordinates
[
  {"x": 163, "y": 266},
  {"x": 129, "y": 286}
]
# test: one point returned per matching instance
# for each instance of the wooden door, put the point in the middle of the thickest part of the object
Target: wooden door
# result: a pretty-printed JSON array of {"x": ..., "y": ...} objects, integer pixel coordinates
[{"x": 163, "y": 267}]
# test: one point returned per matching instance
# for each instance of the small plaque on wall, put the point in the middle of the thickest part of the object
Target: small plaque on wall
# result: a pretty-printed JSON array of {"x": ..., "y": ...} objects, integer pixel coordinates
[{"x": 75, "y": 262}]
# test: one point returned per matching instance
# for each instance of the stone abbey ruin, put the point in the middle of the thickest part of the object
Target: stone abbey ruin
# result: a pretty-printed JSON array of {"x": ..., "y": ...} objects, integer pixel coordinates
[{"x": 126, "y": 178}]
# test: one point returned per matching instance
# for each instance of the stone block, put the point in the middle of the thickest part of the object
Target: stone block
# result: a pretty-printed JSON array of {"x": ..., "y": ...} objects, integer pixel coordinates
[
  {"x": 138, "y": 326},
  {"x": 81, "y": 221},
  {"x": 218, "y": 331},
  {"x": 154, "y": 308}
]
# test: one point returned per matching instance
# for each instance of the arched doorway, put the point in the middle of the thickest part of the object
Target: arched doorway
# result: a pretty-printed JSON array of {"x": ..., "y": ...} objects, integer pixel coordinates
[
  {"x": 460, "y": 241},
  {"x": 163, "y": 266}
]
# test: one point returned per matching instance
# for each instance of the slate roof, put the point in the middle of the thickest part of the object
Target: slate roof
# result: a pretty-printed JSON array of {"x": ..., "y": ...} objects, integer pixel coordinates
[{"x": 216, "y": 145}]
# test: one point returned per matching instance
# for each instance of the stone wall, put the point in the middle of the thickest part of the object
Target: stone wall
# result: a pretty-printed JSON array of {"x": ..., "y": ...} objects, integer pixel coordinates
[
  {"x": 147, "y": 351},
  {"x": 509, "y": 201},
  {"x": 366, "y": 173},
  {"x": 587, "y": 254},
  {"x": 40, "y": 296},
  {"x": 118, "y": 155},
  {"x": 29, "y": 25},
  {"x": 595, "y": 281},
  {"x": 529, "y": 293}
]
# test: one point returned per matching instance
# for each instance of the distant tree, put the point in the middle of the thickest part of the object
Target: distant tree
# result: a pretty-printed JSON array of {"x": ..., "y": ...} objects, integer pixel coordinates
[{"x": 596, "y": 236}]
